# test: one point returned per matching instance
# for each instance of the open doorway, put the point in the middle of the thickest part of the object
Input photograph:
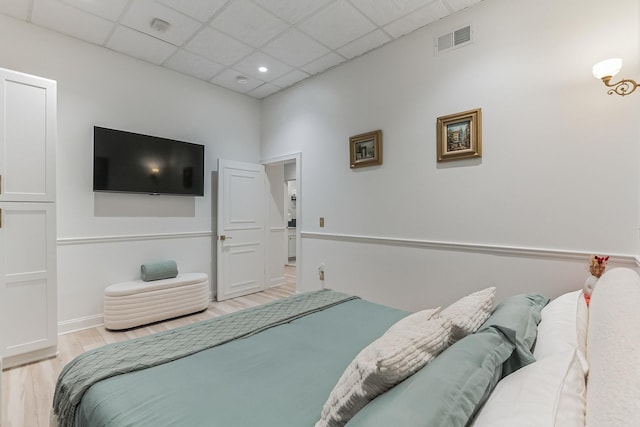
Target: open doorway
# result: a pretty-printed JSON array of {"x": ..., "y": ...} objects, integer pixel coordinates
[
  {"x": 290, "y": 202},
  {"x": 283, "y": 245}
]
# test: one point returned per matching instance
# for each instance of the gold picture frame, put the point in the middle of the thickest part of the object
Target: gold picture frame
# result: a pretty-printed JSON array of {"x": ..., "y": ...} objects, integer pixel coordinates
[
  {"x": 460, "y": 135},
  {"x": 366, "y": 149}
]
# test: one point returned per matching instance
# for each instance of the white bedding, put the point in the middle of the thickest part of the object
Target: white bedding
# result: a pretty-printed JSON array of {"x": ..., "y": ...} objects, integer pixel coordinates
[
  {"x": 597, "y": 347},
  {"x": 547, "y": 393}
]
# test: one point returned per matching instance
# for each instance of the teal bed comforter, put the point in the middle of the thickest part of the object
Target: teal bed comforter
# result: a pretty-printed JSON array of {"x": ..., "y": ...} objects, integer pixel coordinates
[{"x": 280, "y": 376}]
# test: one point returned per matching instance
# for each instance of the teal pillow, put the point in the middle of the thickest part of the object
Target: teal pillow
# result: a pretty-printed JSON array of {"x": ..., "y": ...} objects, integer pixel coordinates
[
  {"x": 448, "y": 391},
  {"x": 158, "y": 270},
  {"x": 519, "y": 314}
]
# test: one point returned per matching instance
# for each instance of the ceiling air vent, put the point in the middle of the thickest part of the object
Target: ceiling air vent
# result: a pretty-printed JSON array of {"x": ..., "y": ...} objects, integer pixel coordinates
[{"x": 454, "y": 39}]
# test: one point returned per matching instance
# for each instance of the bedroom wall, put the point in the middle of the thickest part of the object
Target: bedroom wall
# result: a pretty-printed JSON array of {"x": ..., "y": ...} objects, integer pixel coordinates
[
  {"x": 558, "y": 178},
  {"x": 103, "y": 238}
]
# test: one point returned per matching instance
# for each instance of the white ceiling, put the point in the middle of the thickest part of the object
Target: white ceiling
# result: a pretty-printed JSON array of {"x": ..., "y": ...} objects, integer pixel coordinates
[{"x": 219, "y": 40}]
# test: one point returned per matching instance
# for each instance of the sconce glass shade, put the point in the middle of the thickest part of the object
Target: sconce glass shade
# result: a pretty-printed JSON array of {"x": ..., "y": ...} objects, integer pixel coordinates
[{"x": 607, "y": 68}]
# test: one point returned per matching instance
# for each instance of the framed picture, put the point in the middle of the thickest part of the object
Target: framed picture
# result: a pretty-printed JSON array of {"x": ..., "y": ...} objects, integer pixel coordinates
[
  {"x": 366, "y": 149},
  {"x": 460, "y": 135}
]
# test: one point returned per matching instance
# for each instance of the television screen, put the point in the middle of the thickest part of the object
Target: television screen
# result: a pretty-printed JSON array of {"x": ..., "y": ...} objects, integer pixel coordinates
[{"x": 135, "y": 163}]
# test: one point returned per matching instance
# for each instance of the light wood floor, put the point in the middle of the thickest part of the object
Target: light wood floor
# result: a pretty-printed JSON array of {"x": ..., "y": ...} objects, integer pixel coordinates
[{"x": 27, "y": 391}]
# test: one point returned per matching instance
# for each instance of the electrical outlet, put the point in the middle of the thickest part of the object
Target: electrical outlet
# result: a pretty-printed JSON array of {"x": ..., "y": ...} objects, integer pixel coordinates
[
  {"x": 321, "y": 271},
  {"x": 321, "y": 221}
]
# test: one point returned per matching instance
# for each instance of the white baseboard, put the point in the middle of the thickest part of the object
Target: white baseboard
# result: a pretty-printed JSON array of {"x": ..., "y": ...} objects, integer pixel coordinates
[
  {"x": 277, "y": 281},
  {"x": 73, "y": 325},
  {"x": 32, "y": 356}
]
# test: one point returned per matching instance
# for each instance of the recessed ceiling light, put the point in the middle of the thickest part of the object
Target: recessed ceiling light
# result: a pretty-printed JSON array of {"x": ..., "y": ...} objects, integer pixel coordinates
[
  {"x": 160, "y": 25},
  {"x": 263, "y": 69},
  {"x": 242, "y": 80}
]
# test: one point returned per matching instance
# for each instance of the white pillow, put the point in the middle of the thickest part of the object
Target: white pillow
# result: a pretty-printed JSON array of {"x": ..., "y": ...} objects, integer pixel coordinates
[
  {"x": 397, "y": 354},
  {"x": 547, "y": 393},
  {"x": 559, "y": 327},
  {"x": 469, "y": 313},
  {"x": 415, "y": 320}
]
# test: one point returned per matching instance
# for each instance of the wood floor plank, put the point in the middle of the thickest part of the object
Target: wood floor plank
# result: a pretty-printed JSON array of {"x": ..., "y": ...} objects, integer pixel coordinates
[
  {"x": 43, "y": 380},
  {"x": 27, "y": 391}
]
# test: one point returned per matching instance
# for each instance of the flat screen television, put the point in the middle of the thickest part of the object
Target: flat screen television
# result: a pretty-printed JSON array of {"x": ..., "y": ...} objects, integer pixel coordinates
[{"x": 134, "y": 163}]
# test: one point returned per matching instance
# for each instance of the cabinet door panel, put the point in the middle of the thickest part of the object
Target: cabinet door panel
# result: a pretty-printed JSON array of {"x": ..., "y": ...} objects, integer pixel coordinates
[
  {"x": 26, "y": 235},
  {"x": 28, "y": 328},
  {"x": 27, "y": 137},
  {"x": 27, "y": 277}
]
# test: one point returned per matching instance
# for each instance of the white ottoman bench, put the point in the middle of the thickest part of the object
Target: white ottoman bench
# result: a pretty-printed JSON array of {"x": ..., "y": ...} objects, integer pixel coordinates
[{"x": 135, "y": 303}]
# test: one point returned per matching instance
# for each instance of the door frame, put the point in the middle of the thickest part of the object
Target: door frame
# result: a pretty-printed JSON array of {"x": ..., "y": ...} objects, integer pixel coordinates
[{"x": 297, "y": 156}]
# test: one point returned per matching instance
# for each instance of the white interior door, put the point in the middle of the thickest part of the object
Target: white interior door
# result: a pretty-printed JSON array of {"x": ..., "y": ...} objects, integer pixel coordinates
[{"x": 241, "y": 228}]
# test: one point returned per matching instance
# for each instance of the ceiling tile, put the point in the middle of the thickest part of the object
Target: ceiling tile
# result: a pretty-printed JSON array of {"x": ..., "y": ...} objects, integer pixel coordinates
[
  {"x": 249, "y": 23},
  {"x": 263, "y": 91},
  {"x": 293, "y": 38},
  {"x": 202, "y": 10},
  {"x": 193, "y": 65},
  {"x": 295, "y": 48},
  {"x": 337, "y": 25},
  {"x": 249, "y": 66},
  {"x": 218, "y": 47},
  {"x": 364, "y": 44},
  {"x": 292, "y": 10},
  {"x": 229, "y": 79},
  {"x": 68, "y": 20},
  {"x": 458, "y": 5},
  {"x": 142, "y": 12},
  {"x": 323, "y": 63},
  {"x": 290, "y": 78},
  {"x": 16, "y": 8},
  {"x": 140, "y": 45},
  {"x": 111, "y": 10},
  {"x": 383, "y": 12},
  {"x": 420, "y": 18}
]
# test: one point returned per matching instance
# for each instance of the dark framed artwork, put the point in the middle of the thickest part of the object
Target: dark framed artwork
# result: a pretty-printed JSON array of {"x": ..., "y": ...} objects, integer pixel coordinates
[
  {"x": 366, "y": 149},
  {"x": 459, "y": 135}
]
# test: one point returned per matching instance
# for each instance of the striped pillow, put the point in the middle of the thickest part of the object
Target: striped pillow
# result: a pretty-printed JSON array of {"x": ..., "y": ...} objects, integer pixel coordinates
[
  {"x": 403, "y": 350},
  {"x": 469, "y": 313}
]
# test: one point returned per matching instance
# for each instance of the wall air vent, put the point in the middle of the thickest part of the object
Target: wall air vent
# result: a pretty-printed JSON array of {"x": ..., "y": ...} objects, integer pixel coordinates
[{"x": 453, "y": 39}]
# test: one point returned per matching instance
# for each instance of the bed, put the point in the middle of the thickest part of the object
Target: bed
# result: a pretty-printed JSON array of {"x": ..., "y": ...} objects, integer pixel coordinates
[{"x": 328, "y": 359}]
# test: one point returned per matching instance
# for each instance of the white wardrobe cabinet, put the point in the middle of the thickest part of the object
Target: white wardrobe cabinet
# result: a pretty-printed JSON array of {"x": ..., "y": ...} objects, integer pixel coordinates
[{"x": 28, "y": 296}]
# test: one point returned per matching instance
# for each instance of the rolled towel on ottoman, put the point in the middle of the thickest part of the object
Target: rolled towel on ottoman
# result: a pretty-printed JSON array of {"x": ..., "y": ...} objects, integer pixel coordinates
[{"x": 158, "y": 270}]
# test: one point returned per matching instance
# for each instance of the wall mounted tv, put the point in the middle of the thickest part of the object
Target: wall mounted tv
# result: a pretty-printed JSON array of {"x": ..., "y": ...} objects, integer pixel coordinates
[{"x": 134, "y": 163}]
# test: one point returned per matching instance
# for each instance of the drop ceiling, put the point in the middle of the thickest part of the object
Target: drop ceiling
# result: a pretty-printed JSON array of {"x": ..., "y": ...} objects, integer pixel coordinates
[{"x": 224, "y": 42}]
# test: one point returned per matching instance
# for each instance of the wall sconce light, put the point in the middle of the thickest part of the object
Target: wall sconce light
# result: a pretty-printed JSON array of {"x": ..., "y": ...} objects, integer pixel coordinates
[{"x": 605, "y": 70}]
